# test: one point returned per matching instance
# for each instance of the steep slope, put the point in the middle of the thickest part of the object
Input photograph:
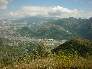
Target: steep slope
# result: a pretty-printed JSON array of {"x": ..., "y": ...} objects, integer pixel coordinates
[{"x": 82, "y": 47}]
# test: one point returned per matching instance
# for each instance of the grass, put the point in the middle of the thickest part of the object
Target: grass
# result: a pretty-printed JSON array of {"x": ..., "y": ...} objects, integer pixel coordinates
[
  {"x": 53, "y": 62},
  {"x": 35, "y": 56}
]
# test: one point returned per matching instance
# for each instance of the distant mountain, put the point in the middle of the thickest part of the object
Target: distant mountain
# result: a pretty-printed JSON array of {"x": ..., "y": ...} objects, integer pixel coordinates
[{"x": 56, "y": 28}]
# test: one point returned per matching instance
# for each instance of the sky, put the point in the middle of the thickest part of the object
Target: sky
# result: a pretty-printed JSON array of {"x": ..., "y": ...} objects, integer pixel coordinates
[{"x": 48, "y": 8}]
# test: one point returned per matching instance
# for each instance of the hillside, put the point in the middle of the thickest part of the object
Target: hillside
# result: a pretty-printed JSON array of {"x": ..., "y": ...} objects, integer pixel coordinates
[
  {"x": 82, "y": 47},
  {"x": 73, "y": 54},
  {"x": 65, "y": 28},
  {"x": 36, "y": 43}
]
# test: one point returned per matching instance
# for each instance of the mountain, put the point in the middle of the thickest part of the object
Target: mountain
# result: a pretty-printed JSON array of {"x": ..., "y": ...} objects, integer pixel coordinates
[
  {"x": 58, "y": 28},
  {"x": 82, "y": 47}
]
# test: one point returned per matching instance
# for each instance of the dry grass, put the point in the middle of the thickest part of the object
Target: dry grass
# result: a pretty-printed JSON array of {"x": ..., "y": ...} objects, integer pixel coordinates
[{"x": 56, "y": 62}]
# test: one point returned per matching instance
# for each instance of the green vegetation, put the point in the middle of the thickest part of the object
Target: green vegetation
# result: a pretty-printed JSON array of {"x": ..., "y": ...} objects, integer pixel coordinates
[
  {"x": 65, "y": 28},
  {"x": 74, "y": 54},
  {"x": 82, "y": 47}
]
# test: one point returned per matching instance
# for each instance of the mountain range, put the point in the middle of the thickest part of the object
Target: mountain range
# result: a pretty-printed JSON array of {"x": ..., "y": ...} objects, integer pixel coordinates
[{"x": 57, "y": 28}]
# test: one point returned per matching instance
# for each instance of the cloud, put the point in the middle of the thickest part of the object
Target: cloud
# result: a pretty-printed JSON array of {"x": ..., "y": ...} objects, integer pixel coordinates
[
  {"x": 86, "y": 14},
  {"x": 4, "y": 3},
  {"x": 64, "y": 12},
  {"x": 56, "y": 11}
]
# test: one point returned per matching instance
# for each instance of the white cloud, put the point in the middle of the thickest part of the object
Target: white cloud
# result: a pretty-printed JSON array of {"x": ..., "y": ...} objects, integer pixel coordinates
[
  {"x": 56, "y": 11},
  {"x": 64, "y": 12},
  {"x": 4, "y": 3},
  {"x": 86, "y": 14}
]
